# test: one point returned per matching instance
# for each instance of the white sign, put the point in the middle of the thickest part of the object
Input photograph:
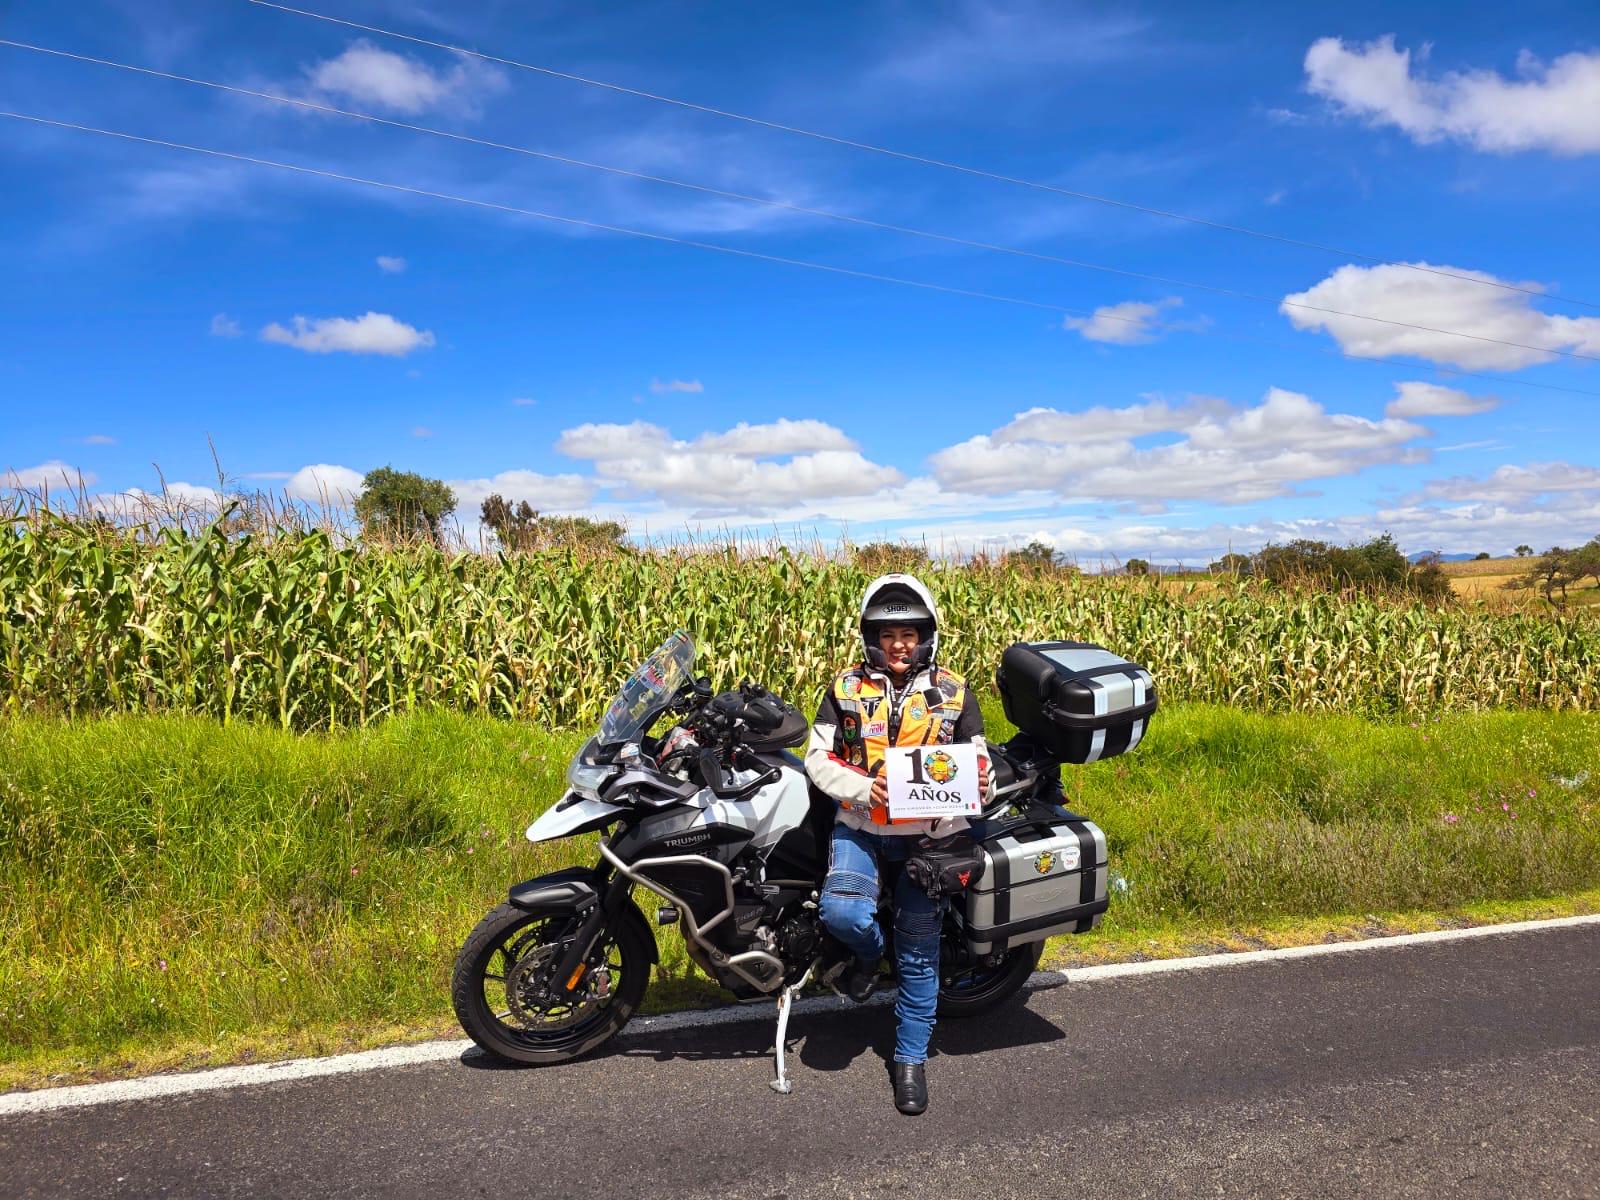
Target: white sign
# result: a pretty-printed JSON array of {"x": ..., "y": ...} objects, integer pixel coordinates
[{"x": 932, "y": 781}]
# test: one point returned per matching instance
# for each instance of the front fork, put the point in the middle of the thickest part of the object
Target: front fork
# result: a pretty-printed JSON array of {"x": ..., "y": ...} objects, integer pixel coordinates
[{"x": 593, "y": 920}]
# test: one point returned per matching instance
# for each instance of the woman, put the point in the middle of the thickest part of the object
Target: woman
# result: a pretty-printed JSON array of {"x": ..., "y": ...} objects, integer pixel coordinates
[{"x": 897, "y": 696}]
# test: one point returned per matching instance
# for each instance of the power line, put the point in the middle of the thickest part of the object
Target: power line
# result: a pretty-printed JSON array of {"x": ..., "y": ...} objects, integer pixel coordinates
[
  {"x": 921, "y": 160},
  {"x": 757, "y": 255},
  {"x": 865, "y": 222}
]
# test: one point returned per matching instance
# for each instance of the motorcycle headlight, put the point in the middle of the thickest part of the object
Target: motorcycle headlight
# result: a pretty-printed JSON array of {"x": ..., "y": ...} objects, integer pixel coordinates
[{"x": 587, "y": 777}]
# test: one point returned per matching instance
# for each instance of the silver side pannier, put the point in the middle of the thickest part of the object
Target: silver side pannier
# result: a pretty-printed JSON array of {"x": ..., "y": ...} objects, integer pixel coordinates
[{"x": 1039, "y": 879}]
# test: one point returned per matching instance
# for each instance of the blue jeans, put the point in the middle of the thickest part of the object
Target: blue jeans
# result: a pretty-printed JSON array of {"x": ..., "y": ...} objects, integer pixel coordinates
[{"x": 849, "y": 912}]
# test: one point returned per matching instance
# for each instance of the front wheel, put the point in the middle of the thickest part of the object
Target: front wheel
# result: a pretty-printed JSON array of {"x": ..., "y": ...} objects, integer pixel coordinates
[
  {"x": 966, "y": 992},
  {"x": 508, "y": 1004}
]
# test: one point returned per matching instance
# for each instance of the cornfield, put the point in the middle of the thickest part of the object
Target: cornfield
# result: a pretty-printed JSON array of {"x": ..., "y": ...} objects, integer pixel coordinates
[{"x": 309, "y": 631}]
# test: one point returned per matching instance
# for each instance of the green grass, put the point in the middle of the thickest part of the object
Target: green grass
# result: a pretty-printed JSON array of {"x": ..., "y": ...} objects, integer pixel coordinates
[{"x": 176, "y": 891}]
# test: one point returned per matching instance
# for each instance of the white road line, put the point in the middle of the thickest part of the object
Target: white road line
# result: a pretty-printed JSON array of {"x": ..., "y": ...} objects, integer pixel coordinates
[{"x": 156, "y": 1086}]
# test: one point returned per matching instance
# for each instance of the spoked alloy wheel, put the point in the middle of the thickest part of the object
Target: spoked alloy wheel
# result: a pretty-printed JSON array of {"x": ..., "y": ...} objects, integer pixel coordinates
[
  {"x": 508, "y": 1003},
  {"x": 968, "y": 993}
]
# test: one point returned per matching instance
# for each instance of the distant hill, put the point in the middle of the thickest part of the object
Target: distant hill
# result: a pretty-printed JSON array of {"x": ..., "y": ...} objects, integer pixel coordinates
[{"x": 1422, "y": 554}]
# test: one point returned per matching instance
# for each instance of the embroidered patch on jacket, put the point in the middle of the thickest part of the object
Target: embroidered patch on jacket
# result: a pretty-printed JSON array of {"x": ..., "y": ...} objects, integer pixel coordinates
[
  {"x": 917, "y": 711},
  {"x": 852, "y": 685},
  {"x": 870, "y": 704},
  {"x": 874, "y": 729},
  {"x": 850, "y": 727}
]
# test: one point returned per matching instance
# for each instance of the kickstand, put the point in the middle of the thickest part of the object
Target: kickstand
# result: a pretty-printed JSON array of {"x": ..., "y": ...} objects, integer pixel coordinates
[{"x": 783, "y": 1084}]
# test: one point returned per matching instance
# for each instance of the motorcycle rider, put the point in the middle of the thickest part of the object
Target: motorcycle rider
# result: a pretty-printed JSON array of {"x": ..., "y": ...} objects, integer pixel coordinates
[{"x": 898, "y": 695}]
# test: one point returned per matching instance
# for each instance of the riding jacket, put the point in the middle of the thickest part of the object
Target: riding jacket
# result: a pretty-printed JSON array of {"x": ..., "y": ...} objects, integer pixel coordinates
[{"x": 863, "y": 714}]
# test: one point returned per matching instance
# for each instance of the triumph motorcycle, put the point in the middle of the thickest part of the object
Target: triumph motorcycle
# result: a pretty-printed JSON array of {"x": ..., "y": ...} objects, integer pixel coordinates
[{"x": 716, "y": 818}]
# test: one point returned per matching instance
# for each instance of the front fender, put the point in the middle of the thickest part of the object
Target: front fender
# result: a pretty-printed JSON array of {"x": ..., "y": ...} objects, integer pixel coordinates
[
  {"x": 576, "y": 888},
  {"x": 571, "y": 889}
]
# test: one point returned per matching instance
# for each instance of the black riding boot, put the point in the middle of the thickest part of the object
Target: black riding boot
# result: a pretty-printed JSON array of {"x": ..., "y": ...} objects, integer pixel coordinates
[{"x": 910, "y": 1087}]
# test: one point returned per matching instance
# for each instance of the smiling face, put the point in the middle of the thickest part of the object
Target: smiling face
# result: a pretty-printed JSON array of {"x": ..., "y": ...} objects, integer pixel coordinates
[{"x": 898, "y": 643}]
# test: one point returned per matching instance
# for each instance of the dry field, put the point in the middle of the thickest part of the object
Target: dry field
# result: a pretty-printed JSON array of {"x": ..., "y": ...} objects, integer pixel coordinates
[{"x": 1485, "y": 579}]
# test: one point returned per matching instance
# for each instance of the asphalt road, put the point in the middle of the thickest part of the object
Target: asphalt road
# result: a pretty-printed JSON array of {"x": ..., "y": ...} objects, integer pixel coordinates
[{"x": 1451, "y": 1069}]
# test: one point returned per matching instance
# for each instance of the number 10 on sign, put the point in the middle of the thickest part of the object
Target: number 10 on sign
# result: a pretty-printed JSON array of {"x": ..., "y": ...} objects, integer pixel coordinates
[{"x": 932, "y": 781}]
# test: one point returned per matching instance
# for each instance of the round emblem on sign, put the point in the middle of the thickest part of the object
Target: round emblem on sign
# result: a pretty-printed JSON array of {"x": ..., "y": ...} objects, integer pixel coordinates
[
  {"x": 1043, "y": 862},
  {"x": 941, "y": 768}
]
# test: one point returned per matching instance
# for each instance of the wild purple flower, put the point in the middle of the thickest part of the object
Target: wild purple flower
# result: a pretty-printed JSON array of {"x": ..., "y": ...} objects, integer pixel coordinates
[
  {"x": 1505, "y": 807},
  {"x": 162, "y": 964},
  {"x": 1451, "y": 817}
]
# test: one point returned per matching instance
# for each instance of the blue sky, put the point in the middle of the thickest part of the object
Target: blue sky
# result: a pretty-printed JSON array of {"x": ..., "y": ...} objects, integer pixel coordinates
[{"x": 314, "y": 328}]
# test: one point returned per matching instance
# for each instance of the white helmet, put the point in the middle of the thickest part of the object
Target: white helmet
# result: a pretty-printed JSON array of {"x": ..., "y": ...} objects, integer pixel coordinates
[{"x": 898, "y": 599}]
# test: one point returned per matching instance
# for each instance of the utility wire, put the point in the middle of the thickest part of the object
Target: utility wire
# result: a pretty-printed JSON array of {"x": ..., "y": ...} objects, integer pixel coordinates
[
  {"x": 905, "y": 156},
  {"x": 864, "y": 222},
  {"x": 850, "y": 272}
]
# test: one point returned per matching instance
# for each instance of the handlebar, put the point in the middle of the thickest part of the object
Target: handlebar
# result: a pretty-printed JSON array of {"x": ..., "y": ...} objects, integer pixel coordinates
[{"x": 713, "y": 776}]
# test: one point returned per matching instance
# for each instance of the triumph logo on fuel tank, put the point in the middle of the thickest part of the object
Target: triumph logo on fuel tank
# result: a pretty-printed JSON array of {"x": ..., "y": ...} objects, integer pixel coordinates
[{"x": 686, "y": 839}]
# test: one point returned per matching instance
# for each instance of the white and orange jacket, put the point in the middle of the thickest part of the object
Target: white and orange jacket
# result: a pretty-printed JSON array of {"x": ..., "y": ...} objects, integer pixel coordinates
[{"x": 864, "y": 714}]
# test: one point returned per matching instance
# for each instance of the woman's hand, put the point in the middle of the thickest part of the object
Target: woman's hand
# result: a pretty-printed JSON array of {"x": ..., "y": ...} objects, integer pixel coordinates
[{"x": 880, "y": 791}]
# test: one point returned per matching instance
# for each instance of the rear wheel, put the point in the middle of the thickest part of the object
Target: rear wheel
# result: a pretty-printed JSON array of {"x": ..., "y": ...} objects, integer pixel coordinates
[
  {"x": 968, "y": 991},
  {"x": 508, "y": 1003}
]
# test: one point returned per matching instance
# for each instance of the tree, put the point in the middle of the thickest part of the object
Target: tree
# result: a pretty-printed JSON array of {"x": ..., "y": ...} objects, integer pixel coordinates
[
  {"x": 512, "y": 524},
  {"x": 1136, "y": 566},
  {"x": 1035, "y": 556},
  {"x": 403, "y": 504},
  {"x": 1374, "y": 566},
  {"x": 519, "y": 526},
  {"x": 1553, "y": 571},
  {"x": 1585, "y": 561},
  {"x": 1523, "y": 551},
  {"x": 1481, "y": 556},
  {"x": 1232, "y": 564}
]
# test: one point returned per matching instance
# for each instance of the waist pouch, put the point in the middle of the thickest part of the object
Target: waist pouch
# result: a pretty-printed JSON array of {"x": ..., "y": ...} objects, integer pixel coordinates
[{"x": 946, "y": 867}]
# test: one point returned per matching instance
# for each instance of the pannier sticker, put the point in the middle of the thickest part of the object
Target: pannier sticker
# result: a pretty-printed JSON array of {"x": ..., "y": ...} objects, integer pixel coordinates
[{"x": 1067, "y": 858}]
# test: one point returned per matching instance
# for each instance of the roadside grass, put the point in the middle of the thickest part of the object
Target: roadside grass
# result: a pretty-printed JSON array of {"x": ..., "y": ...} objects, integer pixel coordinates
[{"x": 174, "y": 892}]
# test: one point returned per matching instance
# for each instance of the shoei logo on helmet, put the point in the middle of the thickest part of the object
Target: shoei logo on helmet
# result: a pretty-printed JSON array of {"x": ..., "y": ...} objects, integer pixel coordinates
[
  {"x": 896, "y": 608},
  {"x": 941, "y": 768}
]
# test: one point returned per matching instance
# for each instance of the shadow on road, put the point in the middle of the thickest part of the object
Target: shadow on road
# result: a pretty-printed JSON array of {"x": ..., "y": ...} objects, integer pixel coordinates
[{"x": 828, "y": 1041}]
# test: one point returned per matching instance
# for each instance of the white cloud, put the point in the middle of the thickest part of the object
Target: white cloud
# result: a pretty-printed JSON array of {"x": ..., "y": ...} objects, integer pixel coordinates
[
  {"x": 1231, "y": 455},
  {"x": 1396, "y": 293},
  {"x": 222, "y": 325},
  {"x": 546, "y": 493},
  {"x": 324, "y": 483},
  {"x": 1513, "y": 484},
  {"x": 1130, "y": 323},
  {"x": 422, "y": 431},
  {"x": 53, "y": 476},
  {"x": 99, "y": 439},
  {"x": 371, "y": 333},
  {"x": 768, "y": 441},
  {"x": 1554, "y": 107},
  {"x": 369, "y": 75},
  {"x": 391, "y": 265},
  {"x": 1417, "y": 399},
  {"x": 524, "y": 401},
  {"x": 677, "y": 385},
  {"x": 1101, "y": 424},
  {"x": 729, "y": 473}
]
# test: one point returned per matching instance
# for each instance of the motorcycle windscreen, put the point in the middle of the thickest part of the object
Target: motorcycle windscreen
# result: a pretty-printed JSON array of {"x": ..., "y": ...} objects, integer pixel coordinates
[{"x": 648, "y": 691}]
